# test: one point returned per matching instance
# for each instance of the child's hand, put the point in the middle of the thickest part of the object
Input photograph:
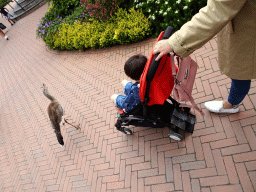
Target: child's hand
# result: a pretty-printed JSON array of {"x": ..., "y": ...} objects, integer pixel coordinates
[{"x": 124, "y": 82}]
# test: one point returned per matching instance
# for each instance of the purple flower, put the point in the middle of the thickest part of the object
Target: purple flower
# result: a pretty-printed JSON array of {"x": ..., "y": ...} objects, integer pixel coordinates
[
  {"x": 57, "y": 5},
  {"x": 43, "y": 31},
  {"x": 54, "y": 12},
  {"x": 46, "y": 24},
  {"x": 58, "y": 17},
  {"x": 68, "y": 5}
]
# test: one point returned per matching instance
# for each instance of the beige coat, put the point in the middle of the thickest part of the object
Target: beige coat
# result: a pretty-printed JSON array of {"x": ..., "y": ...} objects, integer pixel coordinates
[{"x": 236, "y": 22}]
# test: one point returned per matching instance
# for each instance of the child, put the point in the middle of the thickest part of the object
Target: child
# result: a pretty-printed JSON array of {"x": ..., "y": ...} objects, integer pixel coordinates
[
  {"x": 133, "y": 68},
  {"x": 2, "y": 34}
]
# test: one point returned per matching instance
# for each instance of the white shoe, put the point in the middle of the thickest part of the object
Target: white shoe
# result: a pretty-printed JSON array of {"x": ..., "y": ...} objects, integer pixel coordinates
[
  {"x": 217, "y": 107},
  {"x": 124, "y": 82},
  {"x": 113, "y": 97},
  {"x": 6, "y": 37}
]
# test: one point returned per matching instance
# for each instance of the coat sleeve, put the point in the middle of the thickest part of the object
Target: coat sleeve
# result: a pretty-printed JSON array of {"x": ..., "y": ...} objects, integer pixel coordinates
[{"x": 204, "y": 25}]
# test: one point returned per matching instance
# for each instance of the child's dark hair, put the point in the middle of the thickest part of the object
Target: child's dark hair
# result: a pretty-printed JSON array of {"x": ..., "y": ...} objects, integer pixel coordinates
[{"x": 134, "y": 66}]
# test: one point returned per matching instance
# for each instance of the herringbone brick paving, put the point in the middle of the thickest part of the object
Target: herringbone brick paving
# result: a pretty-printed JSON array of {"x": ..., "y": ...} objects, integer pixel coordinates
[{"x": 219, "y": 156}]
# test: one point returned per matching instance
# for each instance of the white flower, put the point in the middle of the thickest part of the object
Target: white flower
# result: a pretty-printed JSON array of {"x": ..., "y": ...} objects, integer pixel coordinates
[
  {"x": 178, "y": 2},
  {"x": 169, "y": 8},
  {"x": 149, "y": 10},
  {"x": 189, "y": 1},
  {"x": 161, "y": 11},
  {"x": 137, "y": 6},
  {"x": 165, "y": 13},
  {"x": 166, "y": 2},
  {"x": 177, "y": 11},
  {"x": 185, "y": 7},
  {"x": 153, "y": 17}
]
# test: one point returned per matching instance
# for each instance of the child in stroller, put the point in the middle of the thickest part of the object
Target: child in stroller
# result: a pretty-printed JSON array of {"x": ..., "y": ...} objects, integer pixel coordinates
[
  {"x": 146, "y": 104},
  {"x": 133, "y": 68}
]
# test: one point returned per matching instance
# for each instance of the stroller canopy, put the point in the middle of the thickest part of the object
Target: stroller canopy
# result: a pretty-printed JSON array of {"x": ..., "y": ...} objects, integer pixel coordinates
[{"x": 156, "y": 82}]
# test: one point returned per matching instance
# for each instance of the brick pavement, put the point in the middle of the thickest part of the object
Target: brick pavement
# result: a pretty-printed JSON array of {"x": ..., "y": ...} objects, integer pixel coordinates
[{"x": 219, "y": 156}]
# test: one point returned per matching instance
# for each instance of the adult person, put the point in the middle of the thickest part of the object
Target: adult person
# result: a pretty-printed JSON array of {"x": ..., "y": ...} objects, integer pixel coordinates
[
  {"x": 235, "y": 23},
  {"x": 7, "y": 15},
  {"x": 2, "y": 34}
]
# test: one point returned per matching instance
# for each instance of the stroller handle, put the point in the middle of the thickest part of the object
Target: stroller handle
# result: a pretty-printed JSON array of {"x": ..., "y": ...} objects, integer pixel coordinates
[
  {"x": 168, "y": 32},
  {"x": 154, "y": 65}
]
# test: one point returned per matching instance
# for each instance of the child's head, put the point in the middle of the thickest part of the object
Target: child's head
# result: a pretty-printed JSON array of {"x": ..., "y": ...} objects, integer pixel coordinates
[{"x": 134, "y": 66}]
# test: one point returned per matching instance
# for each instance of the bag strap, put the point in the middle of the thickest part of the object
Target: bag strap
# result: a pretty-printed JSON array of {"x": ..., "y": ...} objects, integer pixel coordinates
[
  {"x": 190, "y": 99},
  {"x": 173, "y": 65},
  {"x": 180, "y": 88}
]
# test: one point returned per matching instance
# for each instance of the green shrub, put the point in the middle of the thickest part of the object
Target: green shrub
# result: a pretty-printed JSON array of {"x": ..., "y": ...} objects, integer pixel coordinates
[
  {"x": 49, "y": 25},
  {"x": 131, "y": 27},
  {"x": 62, "y": 8},
  {"x": 122, "y": 28},
  {"x": 3, "y": 3},
  {"x": 164, "y": 13}
]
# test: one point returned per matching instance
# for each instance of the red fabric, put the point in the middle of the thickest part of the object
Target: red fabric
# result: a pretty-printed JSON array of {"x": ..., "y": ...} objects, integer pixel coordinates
[{"x": 162, "y": 84}]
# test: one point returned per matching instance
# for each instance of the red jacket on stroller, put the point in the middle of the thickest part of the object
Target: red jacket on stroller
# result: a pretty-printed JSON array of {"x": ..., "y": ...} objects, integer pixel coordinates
[{"x": 156, "y": 82}]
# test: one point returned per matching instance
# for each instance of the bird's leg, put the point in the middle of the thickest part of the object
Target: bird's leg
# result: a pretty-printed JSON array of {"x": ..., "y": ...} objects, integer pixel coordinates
[{"x": 77, "y": 127}]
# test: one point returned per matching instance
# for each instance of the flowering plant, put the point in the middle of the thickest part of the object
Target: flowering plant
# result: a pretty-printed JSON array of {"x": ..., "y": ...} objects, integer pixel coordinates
[
  {"x": 164, "y": 13},
  {"x": 63, "y": 7},
  {"x": 50, "y": 25},
  {"x": 123, "y": 27},
  {"x": 100, "y": 9}
]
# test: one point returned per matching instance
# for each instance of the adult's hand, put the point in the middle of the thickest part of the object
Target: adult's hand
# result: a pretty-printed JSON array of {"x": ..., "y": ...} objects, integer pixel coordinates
[{"x": 162, "y": 47}]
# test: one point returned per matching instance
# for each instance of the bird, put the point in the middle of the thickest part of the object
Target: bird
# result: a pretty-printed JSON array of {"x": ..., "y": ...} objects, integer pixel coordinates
[{"x": 55, "y": 113}]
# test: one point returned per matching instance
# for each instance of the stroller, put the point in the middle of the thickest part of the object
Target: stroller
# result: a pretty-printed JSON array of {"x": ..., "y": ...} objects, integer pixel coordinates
[{"x": 155, "y": 109}]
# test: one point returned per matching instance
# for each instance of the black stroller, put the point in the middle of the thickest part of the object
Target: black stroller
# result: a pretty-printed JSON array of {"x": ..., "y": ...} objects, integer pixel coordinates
[{"x": 155, "y": 109}]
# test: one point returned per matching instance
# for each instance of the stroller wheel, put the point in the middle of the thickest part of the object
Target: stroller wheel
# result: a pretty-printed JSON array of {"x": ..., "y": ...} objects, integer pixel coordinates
[
  {"x": 175, "y": 136},
  {"x": 127, "y": 131}
]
